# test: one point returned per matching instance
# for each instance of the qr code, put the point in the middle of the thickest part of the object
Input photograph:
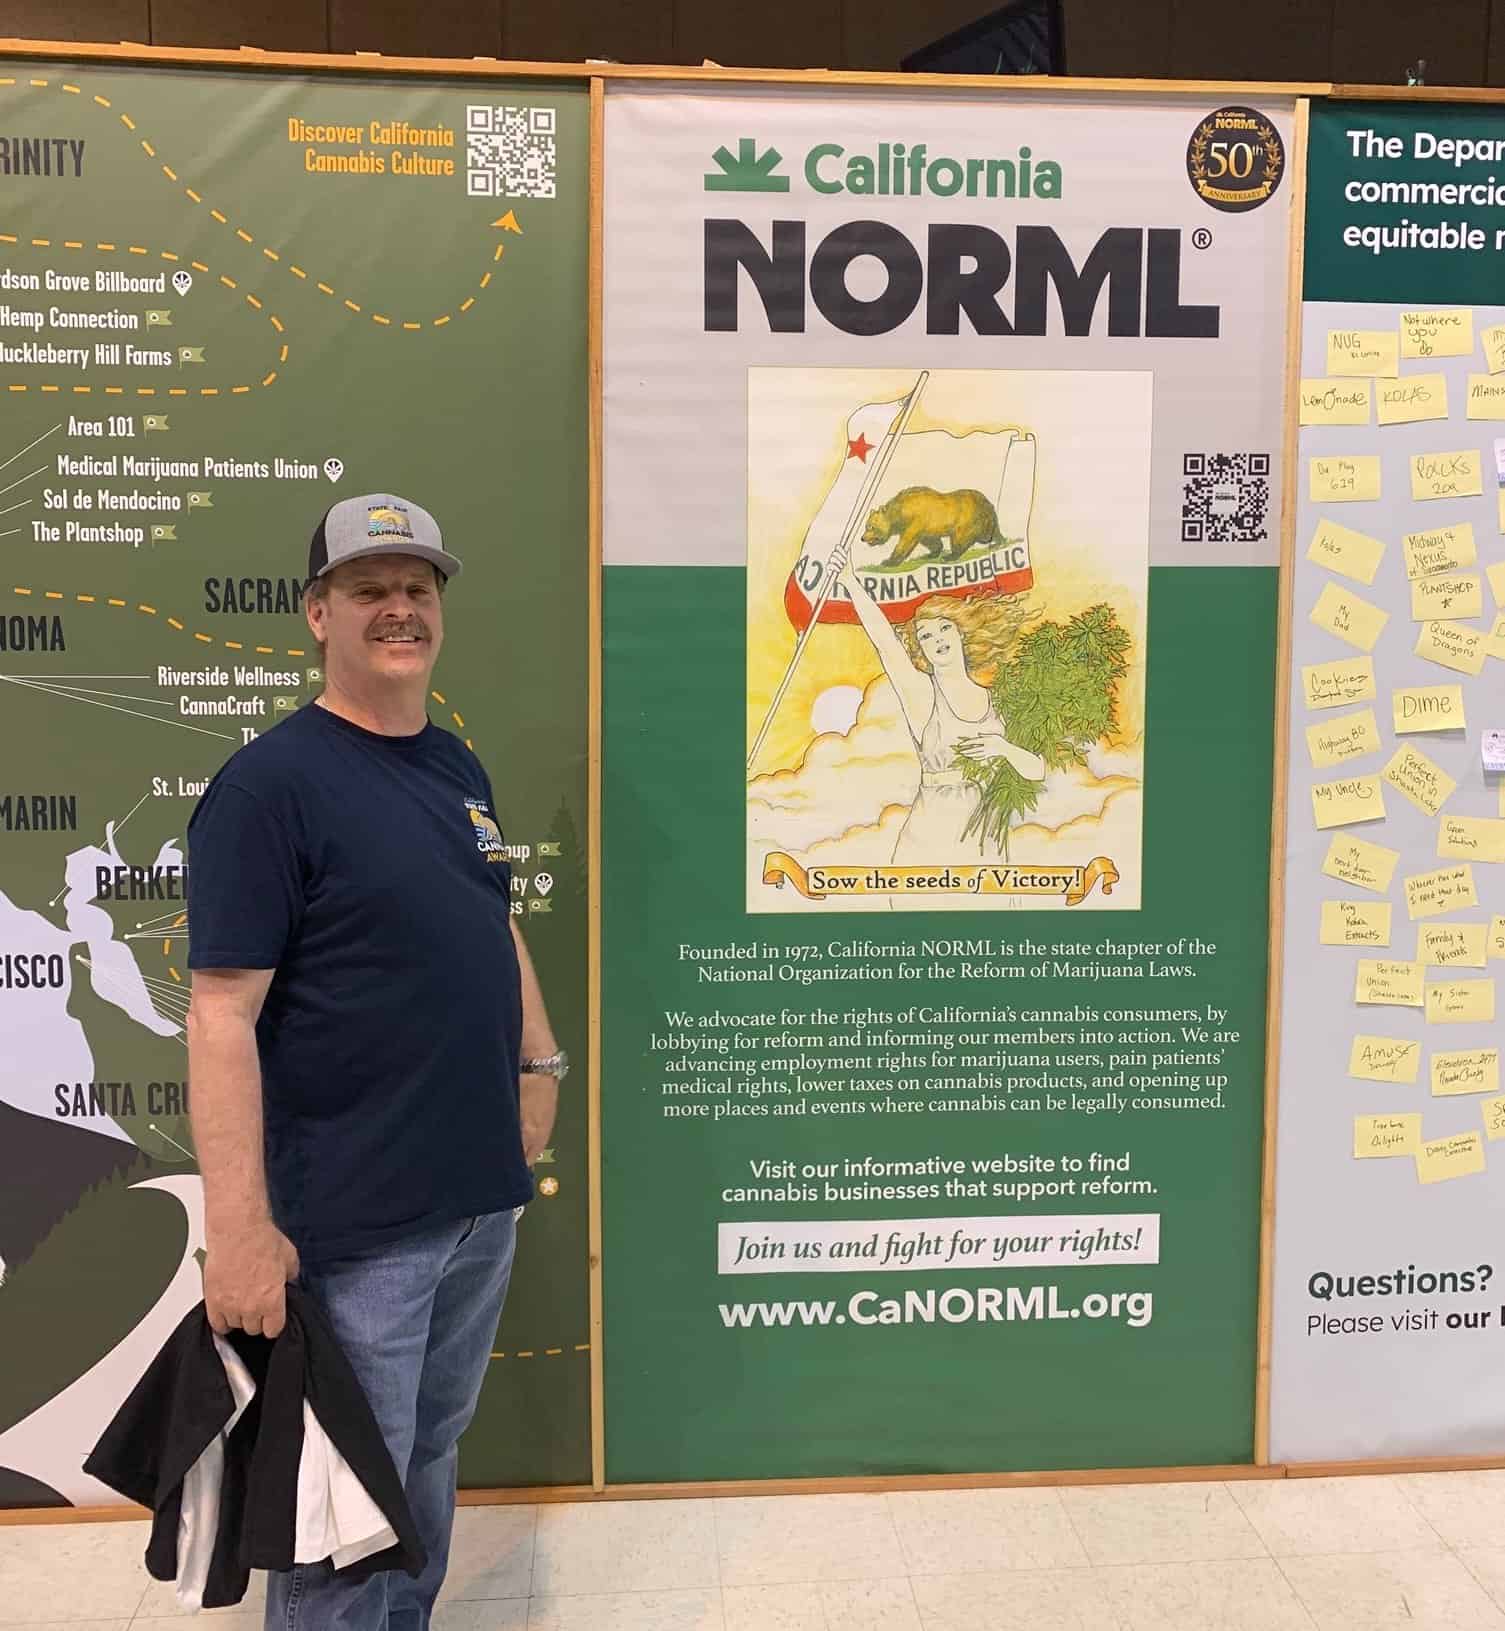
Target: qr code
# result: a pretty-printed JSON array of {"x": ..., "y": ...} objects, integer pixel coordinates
[
  {"x": 510, "y": 152},
  {"x": 1226, "y": 498}
]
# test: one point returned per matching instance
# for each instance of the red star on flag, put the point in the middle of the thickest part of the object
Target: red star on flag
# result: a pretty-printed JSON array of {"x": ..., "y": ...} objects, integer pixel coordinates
[{"x": 860, "y": 448}]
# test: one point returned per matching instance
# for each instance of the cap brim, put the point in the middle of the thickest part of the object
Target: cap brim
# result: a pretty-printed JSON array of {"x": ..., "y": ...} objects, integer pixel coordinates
[{"x": 448, "y": 564}]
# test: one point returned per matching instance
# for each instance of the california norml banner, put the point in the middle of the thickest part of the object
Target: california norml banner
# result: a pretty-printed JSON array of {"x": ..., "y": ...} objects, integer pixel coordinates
[
  {"x": 226, "y": 300},
  {"x": 942, "y": 440}
]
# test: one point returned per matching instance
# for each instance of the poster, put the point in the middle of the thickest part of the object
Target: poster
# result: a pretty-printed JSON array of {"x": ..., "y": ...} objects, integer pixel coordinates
[
  {"x": 942, "y": 474},
  {"x": 1387, "y": 1275},
  {"x": 226, "y": 301}
]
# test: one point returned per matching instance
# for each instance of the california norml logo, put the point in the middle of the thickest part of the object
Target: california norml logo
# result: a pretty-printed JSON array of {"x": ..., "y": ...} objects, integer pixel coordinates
[
  {"x": 1235, "y": 159},
  {"x": 888, "y": 169}
]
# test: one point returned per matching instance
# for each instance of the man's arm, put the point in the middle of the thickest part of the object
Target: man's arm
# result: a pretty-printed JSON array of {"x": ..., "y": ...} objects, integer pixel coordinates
[
  {"x": 249, "y": 1260},
  {"x": 539, "y": 1094}
]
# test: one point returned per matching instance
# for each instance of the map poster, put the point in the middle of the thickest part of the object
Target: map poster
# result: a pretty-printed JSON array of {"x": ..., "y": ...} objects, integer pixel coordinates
[
  {"x": 941, "y": 518},
  {"x": 227, "y": 300}
]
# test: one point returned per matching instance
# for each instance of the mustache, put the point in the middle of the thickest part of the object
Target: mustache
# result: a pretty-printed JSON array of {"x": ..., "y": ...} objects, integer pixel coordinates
[{"x": 412, "y": 625}]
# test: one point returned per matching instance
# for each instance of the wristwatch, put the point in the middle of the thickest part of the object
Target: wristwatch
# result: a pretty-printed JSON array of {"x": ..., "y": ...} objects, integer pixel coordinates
[{"x": 556, "y": 1065}]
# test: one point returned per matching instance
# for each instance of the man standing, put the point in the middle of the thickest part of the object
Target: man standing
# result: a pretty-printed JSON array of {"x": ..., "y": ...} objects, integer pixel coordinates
[{"x": 372, "y": 1064}]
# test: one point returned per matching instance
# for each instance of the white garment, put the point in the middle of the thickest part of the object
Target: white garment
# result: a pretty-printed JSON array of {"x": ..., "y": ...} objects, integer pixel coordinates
[{"x": 336, "y": 1518}]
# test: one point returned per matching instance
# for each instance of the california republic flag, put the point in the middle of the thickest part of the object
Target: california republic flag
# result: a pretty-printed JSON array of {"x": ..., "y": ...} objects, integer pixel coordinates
[{"x": 921, "y": 513}]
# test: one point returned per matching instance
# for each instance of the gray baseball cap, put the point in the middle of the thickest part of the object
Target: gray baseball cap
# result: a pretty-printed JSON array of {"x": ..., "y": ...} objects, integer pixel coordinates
[{"x": 377, "y": 524}]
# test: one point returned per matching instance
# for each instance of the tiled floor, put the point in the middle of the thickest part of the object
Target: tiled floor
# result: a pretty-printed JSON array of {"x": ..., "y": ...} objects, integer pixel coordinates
[{"x": 1351, "y": 1554}]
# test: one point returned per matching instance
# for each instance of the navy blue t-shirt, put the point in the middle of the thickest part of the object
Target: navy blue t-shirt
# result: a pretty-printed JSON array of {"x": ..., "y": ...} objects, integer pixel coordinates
[{"x": 369, "y": 872}]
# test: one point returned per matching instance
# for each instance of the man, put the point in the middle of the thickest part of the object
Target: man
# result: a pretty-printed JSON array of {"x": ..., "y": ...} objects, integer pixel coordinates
[{"x": 373, "y": 1068}]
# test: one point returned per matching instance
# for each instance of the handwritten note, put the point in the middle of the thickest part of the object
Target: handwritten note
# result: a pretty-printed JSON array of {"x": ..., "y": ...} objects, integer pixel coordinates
[
  {"x": 1335, "y": 401},
  {"x": 1384, "y": 1059},
  {"x": 1348, "y": 615},
  {"x": 1439, "y": 549},
  {"x": 1448, "y": 889},
  {"x": 1436, "y": 333},
  {"x": 1333, "y": 742},
  {"x": 1379, "y": 980},
  {"x": 1354, "y": 554},
  {"x": 1357, "y": 861},
  {"x": 1471, "y": 838},
  {"x": 1446, "y": 595},
  {"x": 1356, "y": 923},
  {"x": 1353, "y": 351},
  {"x": 1473, "y": 1070},
  {"x": 1450, "y": 645},
  {"x": 1460, "y": 1002},
  {"x": 1349, "y": 799},
  {"x": 1486, "y": 397},
  {"x": 1495, "y": 939},
  {"x": 1427, "y": 785},
  {"x": 1410, "y": 399},
  {"x": 1416, "y": 708},
  {"x": 1451, "y": 945},
  {"x": 1493, "y": 342},
  {"x": 1457, "y": 1156},
  {"x": 1386, "y": 1135},
  {"x": 1344, "y": 478},
  {"x": 1494, "y": 639},
  {"x": 1442, "y": 475},
  {"x": 1494, "y": 1117},
  {"x": 1332, "y": 685}
]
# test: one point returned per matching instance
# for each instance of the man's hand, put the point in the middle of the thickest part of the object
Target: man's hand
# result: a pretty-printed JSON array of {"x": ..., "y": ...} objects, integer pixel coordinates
[
  {"x": 539, "y": 1102},
  {"x": 246, "y": 1272}
]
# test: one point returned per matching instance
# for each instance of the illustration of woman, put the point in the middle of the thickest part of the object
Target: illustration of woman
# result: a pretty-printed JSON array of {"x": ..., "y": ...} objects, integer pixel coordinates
[{"x": 935, "y": 663}]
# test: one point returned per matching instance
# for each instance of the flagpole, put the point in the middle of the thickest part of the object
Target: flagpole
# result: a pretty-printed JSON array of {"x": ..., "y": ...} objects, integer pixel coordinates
[{"x": 838, "y": 557}]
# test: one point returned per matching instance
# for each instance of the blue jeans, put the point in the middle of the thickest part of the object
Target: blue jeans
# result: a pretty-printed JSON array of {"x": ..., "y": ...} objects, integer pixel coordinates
[{"x": 416, "y": 1318}]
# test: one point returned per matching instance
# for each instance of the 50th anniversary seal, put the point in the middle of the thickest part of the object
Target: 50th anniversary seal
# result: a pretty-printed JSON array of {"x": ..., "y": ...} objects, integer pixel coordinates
[{"x": 1235, "y": 159}]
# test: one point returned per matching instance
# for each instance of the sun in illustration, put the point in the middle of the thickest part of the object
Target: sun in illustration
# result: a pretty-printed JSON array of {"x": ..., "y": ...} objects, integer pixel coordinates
[{"x": 834, "y": 711}]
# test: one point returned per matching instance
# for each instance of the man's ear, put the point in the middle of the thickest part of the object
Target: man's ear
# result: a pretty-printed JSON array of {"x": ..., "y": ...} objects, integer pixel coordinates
[{"x": 316, "y": 610}]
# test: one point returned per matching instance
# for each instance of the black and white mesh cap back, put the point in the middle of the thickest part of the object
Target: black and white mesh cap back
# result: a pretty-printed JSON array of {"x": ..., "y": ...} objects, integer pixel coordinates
[{"x": 377, "y": 524}]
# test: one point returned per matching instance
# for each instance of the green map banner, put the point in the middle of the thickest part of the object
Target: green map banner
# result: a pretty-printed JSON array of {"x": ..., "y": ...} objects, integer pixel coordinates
[
  {"x": 942, "y": 468},
  {"x": 226, "y": 300}
]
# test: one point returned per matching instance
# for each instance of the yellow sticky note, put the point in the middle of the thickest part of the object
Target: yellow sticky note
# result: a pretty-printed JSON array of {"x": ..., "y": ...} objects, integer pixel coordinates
[
  {"x": 1471, "y": 838},
  {"x": 1361, "y": 351},
  {"x": 1428, "y": 786},
  {"x": 1351, "y": 798},
  {"x": 1380, "y": 980},
  {"x": 1341, "y": 549},
  {"x": 1439, "y": 549},
  {"x": 1486, "y": 397},
  {"x": 1416, "y": 708},
  {"x": 1449, "y": 594},
  {"x": 1494, "y": 940},
  {"x": 1493, "y": 342},
  {"x": 1357, "y": 861},
  {"x": 1450, "y": 645},
  {"x": 1335, "y": 741},
  {"x": 1335, "y": 402},
  {"x": 1384, "y": 1059},
  {"x": 1457, "y": 1156},
  {"x": 1436, "y": 333},
  {"x": 1496, "y": 576},
  {"x": 1343, "y": 478},
  {"x": 1494, "y": 1117},
  {"x": 1355, "y": 923},
  {"x": 1386, "y": 1135},
  {"x": 1448, "y": 889},
  {"x": 1494, "y": 640},
  {"x": 1349, "y": 616},
  {"x": 1411, "y": 398},
  {"x": 1331, "y": 685},
  {"x": 1451, "y": 945},
  {"x": 1444, "y": 475},
  {"x": 1460, "y": 1002},
  {"x": 1472, "y": 1070},
  {"x": 1500, "y": 509}
]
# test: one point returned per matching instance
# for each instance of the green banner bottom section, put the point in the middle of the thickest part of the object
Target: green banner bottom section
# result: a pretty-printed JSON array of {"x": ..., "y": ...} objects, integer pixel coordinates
[{"x": 988, "y": 1201}]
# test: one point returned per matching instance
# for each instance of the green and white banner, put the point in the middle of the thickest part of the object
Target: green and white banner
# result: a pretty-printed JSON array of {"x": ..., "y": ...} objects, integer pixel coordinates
[
  {"x": 227, "y": 300},
  {"x": 942, "y": 467},
  {"x": 1388, "y": 1315}
]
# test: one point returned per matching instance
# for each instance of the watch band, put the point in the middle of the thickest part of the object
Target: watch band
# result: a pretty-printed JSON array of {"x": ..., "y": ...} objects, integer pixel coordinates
[{"x": 556, "y": 1065}]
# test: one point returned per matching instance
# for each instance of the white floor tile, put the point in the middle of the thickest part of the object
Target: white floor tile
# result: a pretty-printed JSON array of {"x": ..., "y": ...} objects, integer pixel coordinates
[
  {"x": 1306, "y": 1517},
  {"x": 491, "y": 1614},
  {"x": 1465, "y": 1508},
  {"x": 772, "y": 1540},
  {"x": 1160, "y": 1523},
  {"x": 952, "y": 1531},
  {"x": 73, "y": 1625},
  {"x": 225, "y": 1619},
  {"x": 629, "y": 1611},
  {"x": 491, "y": 1553},
  {"x": 1424, "y": 1591},
  {"x": 1071, "y": 1600},
  {"x": 161, "y": 1601},
  {"x": 619, "y": 1546},
  {"x": 869, "y": 1605},
  {"x": 1487, "y": 1565},
  {"x": 1247, "y": 1594},
  {"x": 71, "y": 1571},
  {"x": 773, "y": 1608}
]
